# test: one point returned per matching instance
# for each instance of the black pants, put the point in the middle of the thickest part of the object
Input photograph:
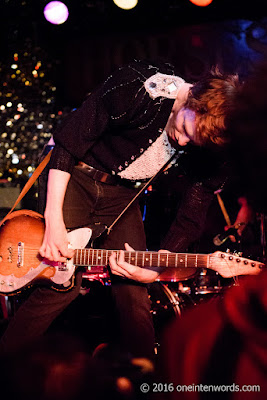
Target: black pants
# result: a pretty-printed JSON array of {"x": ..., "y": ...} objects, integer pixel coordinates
[{"x": 88, "y": 201}]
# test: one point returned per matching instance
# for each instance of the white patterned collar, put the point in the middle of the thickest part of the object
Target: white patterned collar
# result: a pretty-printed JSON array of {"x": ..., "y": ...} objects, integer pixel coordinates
[{"x": 162, "y": 85}]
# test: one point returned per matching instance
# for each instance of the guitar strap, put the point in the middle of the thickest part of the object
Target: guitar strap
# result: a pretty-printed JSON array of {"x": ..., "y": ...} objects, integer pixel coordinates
[
  {"x": 29, "y": 184},
  {"x": 143, "y": 188}
]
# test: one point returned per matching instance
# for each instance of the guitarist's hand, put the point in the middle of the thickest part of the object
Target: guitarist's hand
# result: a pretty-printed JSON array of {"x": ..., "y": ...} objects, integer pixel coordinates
[
  {"x": 55, "y": 242},
  {"x": 130, "y": 271}
]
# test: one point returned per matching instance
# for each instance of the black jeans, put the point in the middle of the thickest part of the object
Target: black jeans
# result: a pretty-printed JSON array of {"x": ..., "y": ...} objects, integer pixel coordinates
[{"x": 86, "y": 202}]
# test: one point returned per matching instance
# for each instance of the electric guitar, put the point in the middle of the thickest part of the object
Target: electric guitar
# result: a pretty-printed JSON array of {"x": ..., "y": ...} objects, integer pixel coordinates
[{"x": 21, "y": 265}]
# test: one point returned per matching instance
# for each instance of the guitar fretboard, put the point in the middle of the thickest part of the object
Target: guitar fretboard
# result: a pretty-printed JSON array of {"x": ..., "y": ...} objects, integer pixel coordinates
[{"x": 99, "y": 257}]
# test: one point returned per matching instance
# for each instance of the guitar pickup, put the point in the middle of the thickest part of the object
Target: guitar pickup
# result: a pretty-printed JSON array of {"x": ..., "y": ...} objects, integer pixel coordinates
[{"x": 20, "y": 254}]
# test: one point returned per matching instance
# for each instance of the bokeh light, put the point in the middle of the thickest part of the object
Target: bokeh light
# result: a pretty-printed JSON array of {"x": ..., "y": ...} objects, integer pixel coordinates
[
  {"x": 201, "y": 3},
  {"x": 126, "y": 4},
  {"x": 56, "y": 12}
]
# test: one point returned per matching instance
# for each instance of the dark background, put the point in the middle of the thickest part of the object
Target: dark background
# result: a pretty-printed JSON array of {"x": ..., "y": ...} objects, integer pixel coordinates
[{"x": 98, "y": 36}]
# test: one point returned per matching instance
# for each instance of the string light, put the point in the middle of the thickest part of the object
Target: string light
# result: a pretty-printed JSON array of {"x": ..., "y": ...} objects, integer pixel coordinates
[{"x": 25, "y": 127}]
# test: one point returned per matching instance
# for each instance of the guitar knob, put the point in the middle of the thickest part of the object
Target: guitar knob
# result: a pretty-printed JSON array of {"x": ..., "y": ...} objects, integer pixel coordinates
[
  {"x": 245, "y": 262},
  {"x": 231, "y": 258},
  {"x": 238, "y": 260},
  {"x": 253, "y": 264}
]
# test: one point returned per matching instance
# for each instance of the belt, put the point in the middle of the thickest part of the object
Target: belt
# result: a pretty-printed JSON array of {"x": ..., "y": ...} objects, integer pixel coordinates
[
  {"x": 104, "y": 177},
  {"x": 97, "y": 175}
]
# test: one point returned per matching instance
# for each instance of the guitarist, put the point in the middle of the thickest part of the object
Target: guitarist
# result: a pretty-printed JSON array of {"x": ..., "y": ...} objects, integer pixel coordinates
[{"x": 125, "y": 131}]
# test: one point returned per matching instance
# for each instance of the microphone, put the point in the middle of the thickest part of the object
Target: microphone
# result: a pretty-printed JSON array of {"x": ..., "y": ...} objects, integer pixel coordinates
[{"x": 219, "y": 239}]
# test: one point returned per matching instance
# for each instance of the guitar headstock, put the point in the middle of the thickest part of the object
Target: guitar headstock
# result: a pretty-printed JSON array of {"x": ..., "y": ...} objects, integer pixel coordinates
[{"x": 229, "y": 265}]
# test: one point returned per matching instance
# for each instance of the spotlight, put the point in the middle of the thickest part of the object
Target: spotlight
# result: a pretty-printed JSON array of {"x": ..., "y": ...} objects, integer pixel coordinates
[
  {"x": 56, "y": 12},
  {"x": 201, "y": 3},
  {"x": 126, "y": 4}
]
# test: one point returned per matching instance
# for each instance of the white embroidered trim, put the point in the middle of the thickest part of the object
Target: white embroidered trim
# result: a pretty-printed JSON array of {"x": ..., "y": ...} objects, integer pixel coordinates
[
  {"x": 151, "y": 160},
  {"x": 161, "y": 85}
]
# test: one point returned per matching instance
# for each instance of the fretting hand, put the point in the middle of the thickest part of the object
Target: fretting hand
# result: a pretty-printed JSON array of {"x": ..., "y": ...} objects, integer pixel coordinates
[{"x": 121, "y": 268}]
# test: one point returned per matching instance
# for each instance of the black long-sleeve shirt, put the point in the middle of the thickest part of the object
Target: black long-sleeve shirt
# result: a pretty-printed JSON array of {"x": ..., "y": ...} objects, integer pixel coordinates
[{"x": 119, "y": 129}]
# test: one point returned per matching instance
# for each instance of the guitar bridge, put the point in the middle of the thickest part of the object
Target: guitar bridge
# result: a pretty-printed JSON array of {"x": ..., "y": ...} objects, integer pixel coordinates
[
  {"x": 20, "y": 254},
  {"x": 62, "y": 266}
]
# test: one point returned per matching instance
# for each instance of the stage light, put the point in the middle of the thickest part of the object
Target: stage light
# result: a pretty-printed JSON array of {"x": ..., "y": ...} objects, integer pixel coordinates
[
  {"x": 56, "y": 12},
  {"x": 126, "y": 4},
  {"x": 201, "y": 3}
]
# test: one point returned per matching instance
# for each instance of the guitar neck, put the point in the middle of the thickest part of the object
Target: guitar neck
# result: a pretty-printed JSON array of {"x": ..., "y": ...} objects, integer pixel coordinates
[{"x": 99, "y": 257}]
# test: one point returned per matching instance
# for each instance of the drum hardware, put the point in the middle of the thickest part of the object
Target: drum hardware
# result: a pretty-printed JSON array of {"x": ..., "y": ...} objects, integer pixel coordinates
[
  {"x": 207, "y": 283},
  {"x": 100, "y": 275}
]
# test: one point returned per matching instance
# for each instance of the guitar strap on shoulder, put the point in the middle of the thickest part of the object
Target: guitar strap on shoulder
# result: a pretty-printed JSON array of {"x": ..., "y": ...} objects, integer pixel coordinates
[
  {"x": 29, "y": 183},
  {"x": 143, "y": 188}
]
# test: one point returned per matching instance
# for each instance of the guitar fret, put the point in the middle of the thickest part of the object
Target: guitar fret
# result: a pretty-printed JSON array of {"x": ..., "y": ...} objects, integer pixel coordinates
[
  {"x": 127, "y": 256},
  {"x": 84, "y": 257},
  {"x": 107, "y": 257},
  {"x": 93, "y": 258},
  {"x": 181, "y": 259},
  {"x": 208, "y": 261}
]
